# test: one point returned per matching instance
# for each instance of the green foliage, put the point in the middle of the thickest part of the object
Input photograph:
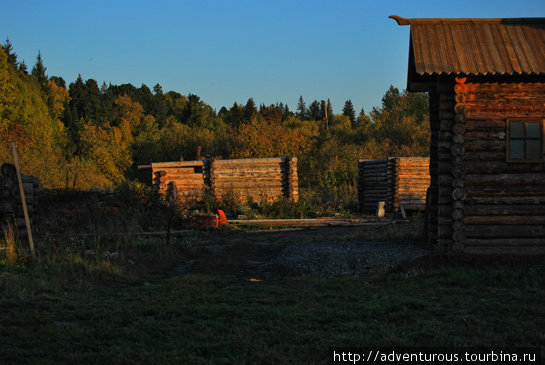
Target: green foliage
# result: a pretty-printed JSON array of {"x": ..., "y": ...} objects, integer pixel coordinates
[
  {"x": 84, "y": 136},
  {"x": 6, "y": 91},
  {"x": 108, "y": 149}
]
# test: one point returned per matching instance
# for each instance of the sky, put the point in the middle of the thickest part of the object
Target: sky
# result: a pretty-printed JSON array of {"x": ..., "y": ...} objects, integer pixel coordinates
[{"x": 228, "y": 51}]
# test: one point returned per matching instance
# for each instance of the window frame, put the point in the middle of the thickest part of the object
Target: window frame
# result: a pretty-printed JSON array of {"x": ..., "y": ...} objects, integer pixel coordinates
[{"x": 508, "y": 140}]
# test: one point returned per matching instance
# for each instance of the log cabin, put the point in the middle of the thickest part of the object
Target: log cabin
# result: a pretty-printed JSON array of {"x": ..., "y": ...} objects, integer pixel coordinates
[{"x": 486, "y": 85}]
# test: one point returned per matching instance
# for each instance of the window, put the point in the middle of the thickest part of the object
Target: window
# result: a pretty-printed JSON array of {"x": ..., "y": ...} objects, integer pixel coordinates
[{"x": 525, "y": 140}]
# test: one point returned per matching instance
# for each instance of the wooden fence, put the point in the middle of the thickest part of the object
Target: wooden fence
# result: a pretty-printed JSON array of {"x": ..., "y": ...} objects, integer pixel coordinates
[
  {"x": 263, "y": 179},
  {"x": 397, "y": 181},
  {"x": 11, "y": 206}
]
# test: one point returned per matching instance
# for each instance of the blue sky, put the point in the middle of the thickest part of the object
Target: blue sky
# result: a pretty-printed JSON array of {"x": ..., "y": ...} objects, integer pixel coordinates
[{"x": 227, "y": 51}]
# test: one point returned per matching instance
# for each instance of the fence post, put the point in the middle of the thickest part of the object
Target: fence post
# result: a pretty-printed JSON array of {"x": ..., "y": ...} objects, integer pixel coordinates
[{"x": 23, "y": 199}]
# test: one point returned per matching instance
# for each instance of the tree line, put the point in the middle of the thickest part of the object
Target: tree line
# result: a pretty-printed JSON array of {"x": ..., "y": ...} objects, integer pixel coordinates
[{"x": 84, "y": 135}]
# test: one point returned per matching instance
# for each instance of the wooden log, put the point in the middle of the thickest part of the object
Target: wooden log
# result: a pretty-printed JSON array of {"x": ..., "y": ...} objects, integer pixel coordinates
[
  {"x": 414, "y": 206},
  {"x": 159, "y": 173},
  {"x": 502, "y": 167},
  {"x": 514, "y": 109},
  {"x": 162, "y": 165},
  {"x": 374, "y": 175},
  {"x": 505, "y": 231},
  {"x": 518, "y": 250},
  {"x": 505, "y": 220},
  {"x": 23, "y": 200},
  {"x": 484, "y": 156},
  {"x": 278, "y": 179},
  {"x": 374, "y": 162},
  {"x": 457, "y": 149},
  {"x": 242, "y": 170},
  {"x": 506, "y": 179},
  {"x": 505, "y": 242},
  {"x": 477, "y": 114},
  {"x": 458, "y": 138},
  {"x": 506, "y": 190},
  {"x": 485, "y": 146},
  {"x": 506, "y": 200},
  {"x": 182, "y": 173},
  {"x": 458, "y": 194},
  {"x": 489, "y": 136},
  {"x": 479, "y": 125},
  {"x": 458, "y": 237},
  {"x": 252, "y": 161},
  {"x": 246, "y": 191},
  {"x": 505, "y": 210}
]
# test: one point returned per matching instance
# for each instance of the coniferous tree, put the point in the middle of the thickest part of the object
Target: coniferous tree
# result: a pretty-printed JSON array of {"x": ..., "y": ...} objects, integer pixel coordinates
[
  {"x": 329, "y": 109},
  {"x": 38, "y": 71},
  {"x": 301, "y": 109},
  {"x": 349, "y": 111},
  {"x": 250, "y": 110},
  {"x": 314, "y": 112},
  {"x": 12, "y": 57},
  {"x": 158, "y": 90},
  {"x": 23, "y": 68},
  {"x": 363, "y": 119}
]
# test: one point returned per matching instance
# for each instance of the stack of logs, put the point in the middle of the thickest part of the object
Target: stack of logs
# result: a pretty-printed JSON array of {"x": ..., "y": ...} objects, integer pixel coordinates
[
  {"x": 261, "y": 179},
  {"x": 11, "y": 206},
  {"x": 398, "y": 181},
  {"x": 374, "y": 184}
]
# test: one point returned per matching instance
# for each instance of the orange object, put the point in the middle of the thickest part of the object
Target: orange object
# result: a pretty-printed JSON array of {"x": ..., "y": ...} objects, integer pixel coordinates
[
  {"x": 222, "y": 217},
  {"x": 460, "y": 80}
]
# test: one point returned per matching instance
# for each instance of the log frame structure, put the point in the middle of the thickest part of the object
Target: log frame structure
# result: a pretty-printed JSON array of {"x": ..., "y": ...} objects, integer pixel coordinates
[
  {"x": 481, "y": 74},
  {"x": 398, "y": 181},
  {"x": 11, "y": 209},
  {"x": 260, "y": 179}
]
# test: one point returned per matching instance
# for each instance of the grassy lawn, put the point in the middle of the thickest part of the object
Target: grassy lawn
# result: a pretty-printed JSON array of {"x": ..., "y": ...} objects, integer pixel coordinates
[{"x": 78, "y": 313}]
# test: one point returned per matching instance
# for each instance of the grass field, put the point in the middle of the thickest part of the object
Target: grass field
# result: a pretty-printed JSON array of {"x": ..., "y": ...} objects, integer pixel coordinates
[
  {"x": 123, "y": 299},
  {"x": 80, "y": 311}
]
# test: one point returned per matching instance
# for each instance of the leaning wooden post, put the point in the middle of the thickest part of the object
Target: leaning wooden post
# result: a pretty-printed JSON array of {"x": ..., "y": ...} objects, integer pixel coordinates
[{"x": 23, "y": 199}]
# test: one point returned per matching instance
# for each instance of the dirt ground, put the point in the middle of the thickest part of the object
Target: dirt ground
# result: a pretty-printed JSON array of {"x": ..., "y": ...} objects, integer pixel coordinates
[{"x": 327, "y": 251}]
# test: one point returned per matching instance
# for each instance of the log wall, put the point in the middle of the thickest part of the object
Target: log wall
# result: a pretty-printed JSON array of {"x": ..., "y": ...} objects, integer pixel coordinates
[
  {"x": 398, "y": 181},
  {"x": 264, "y": 179},
  {"x": 498, "y": 206},
  {"x": 11, "y": 207},
  {"x": 184, "y": 180}
]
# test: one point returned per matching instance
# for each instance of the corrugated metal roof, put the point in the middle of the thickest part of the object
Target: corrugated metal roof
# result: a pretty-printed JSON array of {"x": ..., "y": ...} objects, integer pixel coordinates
[{"x": 477, "y": 46}]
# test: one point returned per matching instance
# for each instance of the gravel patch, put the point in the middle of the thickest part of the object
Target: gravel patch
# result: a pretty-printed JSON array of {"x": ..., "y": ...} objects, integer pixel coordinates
[{"x": 341, "y": 258}]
